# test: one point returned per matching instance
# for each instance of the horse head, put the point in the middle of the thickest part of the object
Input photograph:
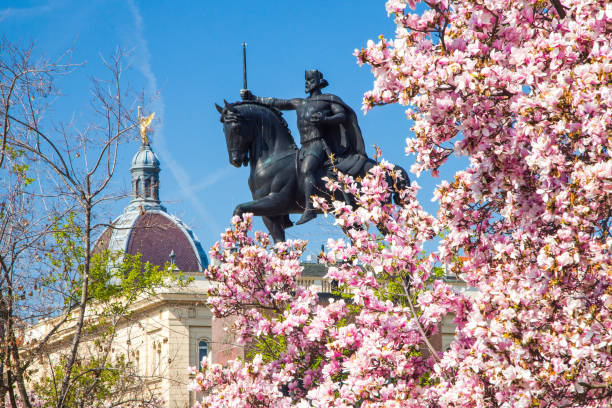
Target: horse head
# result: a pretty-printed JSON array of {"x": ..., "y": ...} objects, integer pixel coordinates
[
  {"x": 237, "y": 136},
  {"x": 252, "y": 131}
]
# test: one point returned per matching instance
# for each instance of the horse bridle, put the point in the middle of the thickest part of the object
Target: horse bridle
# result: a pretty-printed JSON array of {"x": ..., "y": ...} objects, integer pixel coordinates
[{"x": 235, "y": 122}]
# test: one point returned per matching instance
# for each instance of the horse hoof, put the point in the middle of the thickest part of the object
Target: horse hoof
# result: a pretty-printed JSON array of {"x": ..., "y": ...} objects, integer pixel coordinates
[{"x": 307, "y": 216}]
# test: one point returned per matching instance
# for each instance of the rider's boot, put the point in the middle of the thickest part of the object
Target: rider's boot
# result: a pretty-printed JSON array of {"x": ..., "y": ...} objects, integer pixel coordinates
[{"x": 309, "y": 213}]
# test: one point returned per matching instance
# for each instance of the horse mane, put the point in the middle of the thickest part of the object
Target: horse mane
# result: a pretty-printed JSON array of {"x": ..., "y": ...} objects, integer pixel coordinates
[{"x": 276, "y": 112}]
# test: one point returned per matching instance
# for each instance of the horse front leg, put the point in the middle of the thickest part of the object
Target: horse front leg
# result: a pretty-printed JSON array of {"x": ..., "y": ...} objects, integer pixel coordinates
[
  {"x": 272, "y": 209},
  {"x": 274, "y": 197},
  {"x": 270, "y": 205},
  {"x": 273, "y": 202}
]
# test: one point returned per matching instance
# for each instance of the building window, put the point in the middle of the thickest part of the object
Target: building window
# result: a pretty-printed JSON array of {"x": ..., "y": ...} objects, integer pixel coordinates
[
  {"x": 155, "y": 190},
  {"x": 147, "y": 188},
  {"x": 202, "y": 351},
  {"x": 137, "y": 188}
]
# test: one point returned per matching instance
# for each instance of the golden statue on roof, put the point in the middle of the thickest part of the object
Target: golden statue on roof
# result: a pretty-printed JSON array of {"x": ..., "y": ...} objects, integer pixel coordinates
[{"x": 144, "y": 123}]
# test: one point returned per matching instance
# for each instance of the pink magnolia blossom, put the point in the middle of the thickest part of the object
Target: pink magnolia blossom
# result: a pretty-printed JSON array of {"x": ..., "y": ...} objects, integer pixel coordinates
[{"x": 521, "y": 87}]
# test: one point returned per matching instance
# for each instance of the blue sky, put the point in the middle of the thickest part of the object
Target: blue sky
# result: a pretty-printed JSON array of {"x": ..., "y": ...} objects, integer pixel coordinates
[{"x": 190, "y": 52}]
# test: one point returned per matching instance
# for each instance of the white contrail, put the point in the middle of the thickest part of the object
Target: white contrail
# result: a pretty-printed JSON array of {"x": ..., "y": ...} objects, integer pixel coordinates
[
  {"x": 143, "y": 64},
  {"x": 9, "y": 12},
  {"x": 212, "y": 178}
]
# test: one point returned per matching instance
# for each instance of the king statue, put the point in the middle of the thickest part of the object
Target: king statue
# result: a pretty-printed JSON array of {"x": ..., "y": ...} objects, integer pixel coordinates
[{"x": 329, "y": 134}]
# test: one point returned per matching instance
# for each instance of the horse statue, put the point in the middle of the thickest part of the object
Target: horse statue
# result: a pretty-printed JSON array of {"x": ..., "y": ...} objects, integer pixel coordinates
[{"x": 256, "y": 134}]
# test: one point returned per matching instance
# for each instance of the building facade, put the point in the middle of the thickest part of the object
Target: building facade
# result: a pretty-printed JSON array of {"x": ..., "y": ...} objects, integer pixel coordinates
[{"x": 166, "y": 333}]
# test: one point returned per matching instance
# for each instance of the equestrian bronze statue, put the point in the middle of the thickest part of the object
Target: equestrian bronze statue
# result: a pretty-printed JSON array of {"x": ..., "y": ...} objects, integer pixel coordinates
[{"x": 283, "y": 178}]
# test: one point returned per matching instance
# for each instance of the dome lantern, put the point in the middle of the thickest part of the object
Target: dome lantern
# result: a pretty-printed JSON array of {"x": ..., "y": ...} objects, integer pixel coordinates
[{"x": 145, "y": 178}]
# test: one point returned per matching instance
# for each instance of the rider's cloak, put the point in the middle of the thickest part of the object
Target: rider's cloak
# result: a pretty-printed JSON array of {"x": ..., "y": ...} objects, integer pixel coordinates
[{"x": 350, "y": 140}]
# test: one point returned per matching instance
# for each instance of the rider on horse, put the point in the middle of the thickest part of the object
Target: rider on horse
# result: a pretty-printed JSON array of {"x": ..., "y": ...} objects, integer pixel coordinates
[{"x": 328, "y": 129}]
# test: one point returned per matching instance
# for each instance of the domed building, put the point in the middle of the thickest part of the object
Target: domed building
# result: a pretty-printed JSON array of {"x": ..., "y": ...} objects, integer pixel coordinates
[
  {"x": 173, "y": 329},
  {"x": 146, "y": 228}
]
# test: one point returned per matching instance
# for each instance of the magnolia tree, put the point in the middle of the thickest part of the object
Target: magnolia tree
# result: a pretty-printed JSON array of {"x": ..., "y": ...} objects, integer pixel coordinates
[{"x": 523, "y": 89}]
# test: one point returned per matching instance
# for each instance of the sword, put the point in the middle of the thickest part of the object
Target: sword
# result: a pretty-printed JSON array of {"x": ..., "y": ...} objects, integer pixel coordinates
[{"x": 244, "y": 69}]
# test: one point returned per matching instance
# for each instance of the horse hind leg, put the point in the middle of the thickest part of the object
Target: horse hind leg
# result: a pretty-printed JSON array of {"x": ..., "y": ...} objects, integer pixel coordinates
[
  {"x": 400, "y": 184},
  {"x": 286, "y": 221},
  {"x": 276, "y": 226}
]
